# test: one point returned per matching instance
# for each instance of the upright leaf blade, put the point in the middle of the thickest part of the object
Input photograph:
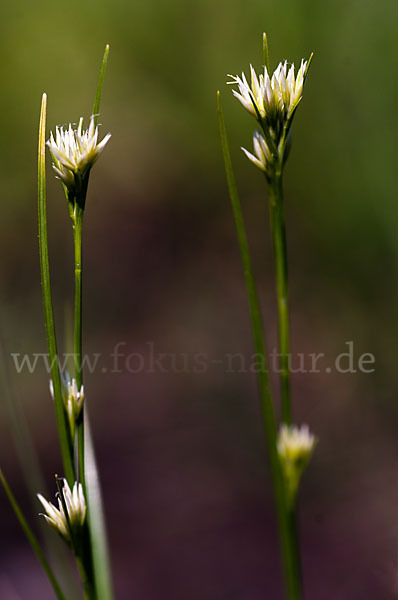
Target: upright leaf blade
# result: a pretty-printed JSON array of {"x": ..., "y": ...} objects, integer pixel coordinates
[
  {"x": 95, "y": 511},
  {"x": 32, "y": 538},
  {"x": 286, "y": 530},
  {"x": 99, "y": 542},
  {"x": 266, "y": 53},
  {"x": 65, "y": 443},
  {"x": 33, "y": 476},
  {"x": 98, "y": 94},
  {"x": 20, "y": 432},
  {"x": 254, "y": 305}
]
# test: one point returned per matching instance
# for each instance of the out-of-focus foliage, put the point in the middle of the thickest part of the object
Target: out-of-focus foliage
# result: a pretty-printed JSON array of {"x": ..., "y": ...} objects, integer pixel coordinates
[{"x": 162, "y": 264}]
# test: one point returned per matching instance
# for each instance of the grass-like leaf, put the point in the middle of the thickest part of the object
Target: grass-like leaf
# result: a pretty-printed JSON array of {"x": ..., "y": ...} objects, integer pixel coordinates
[
  {"x": 20, "y": 432},
  {"x": 254, "y": 305},
  {"x": 266, "y": 53},
  {"x": 96, "y": 521},
  {"x": 65, "y": 442},
  {"x": 97, "y": 100},
  {"x": 95, "y": 511},
  {"x": 286, "y": 526},
  {"x": 78, "y": 284},
  {"x": 32, "y": 538}
]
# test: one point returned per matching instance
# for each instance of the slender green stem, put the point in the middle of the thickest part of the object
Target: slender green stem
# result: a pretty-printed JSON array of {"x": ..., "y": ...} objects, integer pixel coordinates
[
  {"x": 65, "y": 441},
  {"x": 286, "y": 519},
  {"x": 92, "y": 559},
  {"x": 280, "y": 256},
  {"x": 31, "y": 538},
  {"x": 254, "y": 305},
  {"x": 296, "y": 583},
  {"x": 77, "y": 338},
  {"x": 77, "y": 234},
  {"x": 84, "y": 555},
  {"x": 89, "y": 591}
]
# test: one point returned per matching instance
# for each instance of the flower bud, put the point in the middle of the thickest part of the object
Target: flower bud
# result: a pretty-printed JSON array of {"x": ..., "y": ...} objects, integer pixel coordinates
[{"x": 295, "y": 447}]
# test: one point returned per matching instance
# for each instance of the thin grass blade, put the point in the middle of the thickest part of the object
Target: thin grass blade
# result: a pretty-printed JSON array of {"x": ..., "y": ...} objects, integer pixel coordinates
[
  {"x": 254, "y": 304},
  {"x": 266, "y": 53},
  {"x": 19, "y": 430},
  {"x": 32, "y": 538},
  {"x": 99, "y": 541},
  {"x": 98, "y": 94},
  {"x": 65, "y": 443},
  {"x": 287, "y": 535},
  {"x": 95, "y": 511}
]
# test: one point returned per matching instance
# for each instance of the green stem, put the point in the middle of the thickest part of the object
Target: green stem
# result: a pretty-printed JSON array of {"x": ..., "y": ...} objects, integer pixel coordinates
[
  {"x": 89, "y": 592},
  {"x": 280, "y": 256},
  {"x": 85, "y": 557},
  {"x": 294, "y": 583},
  {"x": 64, "y": 438},
  {"x": 286, "y": 518},
  {"x": 77, "y": 234}
]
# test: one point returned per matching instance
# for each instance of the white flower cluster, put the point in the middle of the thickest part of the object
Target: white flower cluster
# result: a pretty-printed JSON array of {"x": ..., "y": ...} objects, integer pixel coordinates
[
  {"x": 73, "y": 400},
  {"x": 73, "y": 403},
  {"x": 295, "y": 443},
  {"x": 262, "y": 157},
  {"x": 272, "y": 100},
  {"x": 75, "y": 151},
  {"x": 75, "y": 506},
  {"x": 295, "y": 446},
  {"x": 275, "y": 96}
]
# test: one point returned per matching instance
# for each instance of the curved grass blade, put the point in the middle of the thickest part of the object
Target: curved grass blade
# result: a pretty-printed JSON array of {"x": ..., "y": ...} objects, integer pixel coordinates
[
  {"x": 33, "y": 475},
  {"x": 20, "y": 432},
  {"x": 254, "y": 304},
  {"x": 286, "y": 530},
  {"x": 32, "y": 538},
  {"x": 96, "y": 520},
  {"x": 78, "y": 284},
  {"x": 65, "y": 442}
]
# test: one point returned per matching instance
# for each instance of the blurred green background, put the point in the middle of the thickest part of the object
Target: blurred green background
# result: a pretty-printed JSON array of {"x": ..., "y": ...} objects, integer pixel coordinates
[{"x": 182, "y": 454}]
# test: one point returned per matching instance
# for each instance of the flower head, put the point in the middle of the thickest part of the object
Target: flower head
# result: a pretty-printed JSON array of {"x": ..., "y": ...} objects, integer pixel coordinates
[
  {"x": 272, "y": 99},
  {"x": 262, "y": 157},
  {"x": 278, "y": 93},
  {"x": 66, "y": 524},
  {"x": 295, "y": 442},
  {"x": 75, "y": 151},
  {"x": 295, "y": 447},
  {"x": 73, "y": 400},
  {"x": 73, "y": 403}
]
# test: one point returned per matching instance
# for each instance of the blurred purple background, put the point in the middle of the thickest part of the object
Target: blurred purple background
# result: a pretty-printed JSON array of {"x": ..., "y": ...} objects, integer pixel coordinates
[{"x": 181, "y": 453}]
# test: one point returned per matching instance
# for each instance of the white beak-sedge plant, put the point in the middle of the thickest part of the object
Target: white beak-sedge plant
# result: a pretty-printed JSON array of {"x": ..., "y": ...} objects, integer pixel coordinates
[
  {"x": 273, "y": 100},
  {"x": 79, "y": 517}
]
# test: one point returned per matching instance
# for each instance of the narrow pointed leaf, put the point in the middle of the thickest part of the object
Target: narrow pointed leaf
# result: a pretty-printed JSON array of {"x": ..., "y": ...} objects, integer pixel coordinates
[
  {"x": 99, "y": 542},
  {"x": 65, "y": 443},
  {"x": 98, "y": 94},
  {"x": 311, "y": 56},
  {"x": 266, "y": 53},
  {"x": 20, "y": 432},
  {"x": 32, "y": 538},
  {"x": 287, "y": 537},
  {"x": 254, "y": 304},
  {"x": 95, "y": 511}
]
